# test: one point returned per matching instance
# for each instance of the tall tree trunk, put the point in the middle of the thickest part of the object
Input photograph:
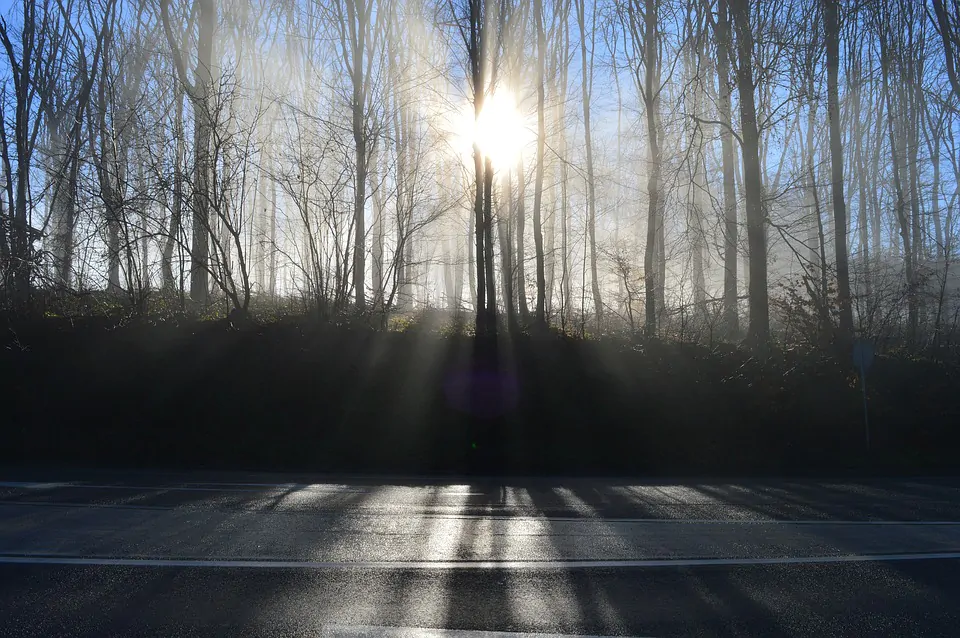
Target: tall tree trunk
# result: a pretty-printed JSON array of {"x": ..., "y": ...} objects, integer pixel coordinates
[
  {"x": 915, "y": 99},
  {"x": 541, "y": 148},
  {"x": 22, "y": 240},
  {"x": 4, "y": 235},
  {"x": 651, "y": 99},
  {"x": 411, "y": 268},
  {"x": 566, "y": 297},
  {"x": 823, "y": 309},
  {"x": 359, "y": 19},
  {"x": 949, "y": 29},
  {"x": 145, "y": 233},
  {"x": 876, "y": 189},
  {"x": 203, "y": 169},
  {"x": 558, "y": 86},
  {"x": 22, "y": 78},
  {"x": 476, "y": 49},
  {"x": 759, "y": 329},
  {"x": 900, "y": 208},
  {"x": 935, "y": 187},
  {"x": 258, "y": 221},
  {"x": 695, "y": 63},
  {"x": 111, "y": 172},
  {"x": 489, "y": 272},
  {"x": 62, "y": 176},
  {"x": 913, "y": 170},
  {"x": 728, "y": 159},
  {"x": 506, "y": 253},
  {"x": 520, "y": 266},
  {"x": 586, "y": 91},
  {"x": 832, "y": 33},
  {"x": 809, "y": 178},
  {"x": 272, "y": 242},
  {"x": 176, "y": 213},
  {"x": 863, "y": 212},
  {"x": 448, "y": 276},
  {"x": 474, "y": 278},
  {"x": 378, "y": 229},
  {"x": 550, "y": 240}
]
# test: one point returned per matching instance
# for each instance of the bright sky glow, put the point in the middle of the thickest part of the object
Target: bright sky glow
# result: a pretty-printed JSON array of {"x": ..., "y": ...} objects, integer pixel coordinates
[{"x": 501, "y": 131}]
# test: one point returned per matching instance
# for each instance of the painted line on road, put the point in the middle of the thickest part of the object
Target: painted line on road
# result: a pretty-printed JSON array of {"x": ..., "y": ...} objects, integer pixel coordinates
[
  {"x": 333, "y": 487},
  {"x": 252, "y": 488},
  {"x": 191, "y": 487},
  {"x": 686, "y": 521},
  {"x": 331, "y": 511},
  {"x": 369, "y": 631},
  {"x": 46, "y": 559}
]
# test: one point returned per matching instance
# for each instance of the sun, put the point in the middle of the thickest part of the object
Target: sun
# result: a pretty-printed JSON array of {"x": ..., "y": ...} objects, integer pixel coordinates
[{"x": 500, "y": 131}]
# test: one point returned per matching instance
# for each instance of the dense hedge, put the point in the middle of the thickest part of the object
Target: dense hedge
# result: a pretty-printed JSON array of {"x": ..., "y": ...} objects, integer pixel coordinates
[{"x": 303, "y": 396}]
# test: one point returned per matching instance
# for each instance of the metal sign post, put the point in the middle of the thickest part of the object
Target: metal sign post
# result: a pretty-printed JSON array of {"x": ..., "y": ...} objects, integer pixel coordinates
[{"x": 862, "y": 359}]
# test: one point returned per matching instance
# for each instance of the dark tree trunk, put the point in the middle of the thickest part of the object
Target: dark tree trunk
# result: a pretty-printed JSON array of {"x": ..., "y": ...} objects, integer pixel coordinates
[
  {"x": 759, "y": 330},
  {"x": 358, "y": 15},
  {"x": 176, "y": 213},
  {"x": 900, "y": 207},
  {"x": 730, "y": 312},
  {"x": 489, "y": 287},
  {"x": 203, "y": 169},
  {"x": 506, "y": 253},
  {"x": 521, "y": 271},
  {"x": 541, "y": 148},
  {"x": 832, "y": 33}
]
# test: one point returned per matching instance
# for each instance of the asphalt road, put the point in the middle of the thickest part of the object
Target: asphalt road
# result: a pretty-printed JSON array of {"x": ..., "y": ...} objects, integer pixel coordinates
[{"x": 151, "y": 554}]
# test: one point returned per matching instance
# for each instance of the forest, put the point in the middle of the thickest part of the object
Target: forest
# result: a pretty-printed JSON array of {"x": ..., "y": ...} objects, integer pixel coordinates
[{"x": 516, "y": 224}]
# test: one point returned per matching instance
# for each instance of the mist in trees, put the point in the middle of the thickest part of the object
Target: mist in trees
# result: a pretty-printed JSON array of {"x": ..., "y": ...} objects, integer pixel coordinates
[{"x": 692, "y": 169}]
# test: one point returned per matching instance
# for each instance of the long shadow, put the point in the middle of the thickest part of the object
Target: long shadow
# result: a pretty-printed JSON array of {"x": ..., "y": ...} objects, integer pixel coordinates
[
  {"x": 114, "y": 593},
  {"x": 610, "y": 602},
  {"x": 405, "y": 597},
  {"x": 800, "y": 502},
  {"x": 235, "y": 604},
  {"x": 810, "y": 509},
  {"x": 661, "y": 601},
  {"x": 890, "y": 500},
  {"x": 728, "y": 588},
  {"x": 589, "y": 596},
  {"x": 411, "y": 593},
  {"x": 885, "y": 510},
  {"x": 477, "y": 541}
]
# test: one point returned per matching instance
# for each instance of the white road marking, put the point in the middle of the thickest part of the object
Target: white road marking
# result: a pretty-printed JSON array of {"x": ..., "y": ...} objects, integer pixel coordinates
[
  {"x": 687, "y": 521},
  {"x": 367, "y": 631},
  {"x": 32, "y": 485},
  {"x": 215, "y": 487},
  {"x": 425, "y": 513},
  {"x": 187, "y": 487},
  {"x": 28, "y": 559}
]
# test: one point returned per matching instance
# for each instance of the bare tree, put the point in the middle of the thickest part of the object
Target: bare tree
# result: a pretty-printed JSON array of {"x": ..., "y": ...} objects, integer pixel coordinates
[
  {"x": 723, "y": 38},
  {"x": 29, "y": 62},
  {"x": 541, "y": 148},
  {"x": 354, "y": 22},
  {"x": 200, "y": 92},
  {"x": 897, "y": 158},
  {"x": 65, "y": 112},
  {"x": 832, "y": 35},
  {"x": 759, "y": 330},
  {"x": 478, "y": 29},
  {"x": 946, "y": 19},
  {"x": 642, "y": 25},
  {"x": 586, "y": 65}
]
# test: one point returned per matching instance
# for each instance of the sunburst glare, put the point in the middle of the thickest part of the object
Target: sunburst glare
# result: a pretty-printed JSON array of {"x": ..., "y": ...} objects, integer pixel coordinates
[{"x": 501, "y": 131}]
